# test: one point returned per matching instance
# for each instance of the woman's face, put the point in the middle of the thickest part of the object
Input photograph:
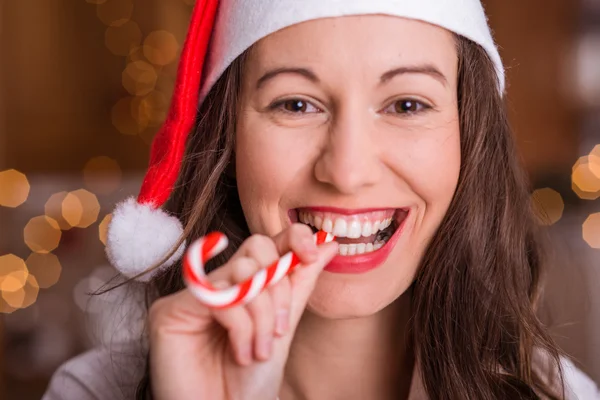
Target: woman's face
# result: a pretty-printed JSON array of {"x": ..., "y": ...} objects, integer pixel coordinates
[{"x": 351, "y": 125}]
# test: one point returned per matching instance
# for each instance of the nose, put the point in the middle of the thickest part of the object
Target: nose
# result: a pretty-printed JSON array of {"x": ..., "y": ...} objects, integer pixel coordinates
[{"x": 349, "y": 160}]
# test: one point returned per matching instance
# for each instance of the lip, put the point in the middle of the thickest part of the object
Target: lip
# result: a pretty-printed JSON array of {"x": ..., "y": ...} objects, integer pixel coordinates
[{"x": 361, "y": 263}]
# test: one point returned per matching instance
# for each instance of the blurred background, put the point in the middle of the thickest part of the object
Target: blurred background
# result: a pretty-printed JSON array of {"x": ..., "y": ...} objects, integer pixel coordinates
[{"x": 85, "y": 84}]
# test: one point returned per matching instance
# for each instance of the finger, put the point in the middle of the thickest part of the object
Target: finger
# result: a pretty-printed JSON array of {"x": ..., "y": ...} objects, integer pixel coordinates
[
  {"x": 260, "y": 308},
  {"x": 261, "y": 311},
  {"x": 240, "y": 330},
  {"x": 235, "y": 271},
  {"x": 259, "y": 247},
  {"x": 281, "y": 297},
  {"x": 299, "y": 239},
  {"x": 303, "y": 280}
]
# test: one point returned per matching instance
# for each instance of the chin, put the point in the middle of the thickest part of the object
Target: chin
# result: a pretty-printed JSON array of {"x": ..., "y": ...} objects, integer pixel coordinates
[{"x": 335, "y": 297}]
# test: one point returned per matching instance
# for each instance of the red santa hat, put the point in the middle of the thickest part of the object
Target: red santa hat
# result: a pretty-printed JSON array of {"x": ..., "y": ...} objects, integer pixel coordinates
[{"x": 141, "y": 234}]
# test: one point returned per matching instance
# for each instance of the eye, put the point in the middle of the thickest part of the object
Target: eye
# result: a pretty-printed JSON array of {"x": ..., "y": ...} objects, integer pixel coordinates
[
  {"x": 295, "y": 106},
  {"x": 407, "y": 106}
]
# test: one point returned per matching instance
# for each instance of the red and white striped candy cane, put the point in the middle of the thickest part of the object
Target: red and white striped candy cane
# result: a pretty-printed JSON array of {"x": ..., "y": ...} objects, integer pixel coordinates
[{"x": 212, "y": 244}]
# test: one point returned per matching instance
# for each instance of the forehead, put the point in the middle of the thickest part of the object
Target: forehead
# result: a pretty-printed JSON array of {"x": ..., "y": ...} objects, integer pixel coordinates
[{"x": 365, "y": 40}]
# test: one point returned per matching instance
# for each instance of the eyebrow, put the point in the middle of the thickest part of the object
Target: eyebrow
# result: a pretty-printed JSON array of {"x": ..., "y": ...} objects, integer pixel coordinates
[
  {"x": 426, "y": 69},
  {"x": 305, "y": 72}
]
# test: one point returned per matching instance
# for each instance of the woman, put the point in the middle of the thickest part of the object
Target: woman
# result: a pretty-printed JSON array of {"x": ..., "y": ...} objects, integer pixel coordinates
[{"x": 383, "y": 123}]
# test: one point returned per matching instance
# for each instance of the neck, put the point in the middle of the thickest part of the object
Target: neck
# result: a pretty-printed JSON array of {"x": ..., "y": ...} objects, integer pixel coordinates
[{"x": 358, "y": 358}]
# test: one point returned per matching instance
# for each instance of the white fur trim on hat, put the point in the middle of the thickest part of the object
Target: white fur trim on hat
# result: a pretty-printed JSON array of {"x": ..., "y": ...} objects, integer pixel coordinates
[
  {"x": 139, "y": 236},
  {"x": 241, "y": 23}
]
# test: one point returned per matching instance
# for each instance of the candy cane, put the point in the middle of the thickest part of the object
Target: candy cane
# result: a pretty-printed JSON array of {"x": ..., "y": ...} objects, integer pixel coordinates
[{"x": 214, "y": 243}]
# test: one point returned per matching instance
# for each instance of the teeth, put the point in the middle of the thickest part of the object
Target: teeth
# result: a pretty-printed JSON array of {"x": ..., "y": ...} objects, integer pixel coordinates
[
  {"x": 342, "y": 228},
  {"x": 359, "y": 248},
  {"x": 327, "y": 225},
  {"x": 354, "y": 230},
  {"x": 366, "y": 230},
  {"x": 317, "y": 222},
  {"x": 376, "y": 226}
]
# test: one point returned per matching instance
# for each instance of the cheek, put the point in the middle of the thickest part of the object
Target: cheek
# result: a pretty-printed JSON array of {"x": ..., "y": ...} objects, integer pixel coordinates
[
  {"x": 268, "y": 166},
  {"x": 430, "y": 166}
]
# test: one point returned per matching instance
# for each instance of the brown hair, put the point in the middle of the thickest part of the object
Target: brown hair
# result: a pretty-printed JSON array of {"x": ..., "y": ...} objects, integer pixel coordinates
[{"x": 474, "y": 327}]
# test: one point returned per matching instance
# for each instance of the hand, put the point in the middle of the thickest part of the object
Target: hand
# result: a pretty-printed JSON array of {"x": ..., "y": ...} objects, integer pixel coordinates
[{"x": 238, "y": 353}]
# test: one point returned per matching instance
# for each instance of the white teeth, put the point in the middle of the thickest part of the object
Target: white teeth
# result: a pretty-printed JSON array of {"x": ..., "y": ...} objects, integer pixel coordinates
[
  {"x": 327, "y": 225},
  {"x": 375, "y": 227},
  {"x": 354, "y": 230},
  {"x": 318, "y": 222},
  {"x": 343, "y": 249},
  {"x": 366, "y": 230},
  {"x": 359, "y": 248},
  {"x": 340, "y": 228},
  {"x": 351, "y": 249}
]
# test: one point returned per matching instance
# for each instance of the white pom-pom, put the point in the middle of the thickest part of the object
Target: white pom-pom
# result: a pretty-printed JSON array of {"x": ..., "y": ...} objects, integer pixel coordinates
[{"x": 140, "y": 236}]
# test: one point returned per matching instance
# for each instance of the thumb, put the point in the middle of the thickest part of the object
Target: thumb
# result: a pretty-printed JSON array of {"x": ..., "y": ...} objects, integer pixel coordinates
[{"x": 304, "y": 279}]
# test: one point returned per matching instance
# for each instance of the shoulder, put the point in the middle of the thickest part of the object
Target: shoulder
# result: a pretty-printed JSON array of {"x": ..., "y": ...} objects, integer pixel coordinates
[
  {"x": 99, "y": 374},
  {"x": 578, "y": 385}
]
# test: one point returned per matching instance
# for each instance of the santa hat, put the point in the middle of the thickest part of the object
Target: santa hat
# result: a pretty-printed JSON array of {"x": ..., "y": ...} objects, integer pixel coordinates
[{"x": 141, "y": 234}]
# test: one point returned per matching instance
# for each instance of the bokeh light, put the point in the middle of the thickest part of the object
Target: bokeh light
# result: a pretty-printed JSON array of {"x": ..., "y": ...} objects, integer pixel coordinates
[
  {"x": 45, "y": 267},
  {"x": 139, "y": 78},
  {"x": 585, "y": 183},
  {"x": 19, "y": 289},
  {"x": 594, "y": 165},
  {"x": 54, "y": 209},
  {"x": 42, "y": 234},
  {"x": 115, "y": 12},
  {"x": 161, "y": 47},
  {"x": 123, "y": 116},
  {"x": 136, "y": 54},
  {"x": 13, "y": 272},
  {"x": 102, "y": 175},
  {"x": 548, "y": 206},
  {"x": 83, "y": 208},
  {"x": 154, "y": 107},
  {"x": 82, "y": 291},
  {"x": 591, "y": 231},
  {"x": 103, "y": 228},
  {"x": 120, "y": 40},
  {"x": 15, "y": 188},
  {"x": 23, "y": 297}
]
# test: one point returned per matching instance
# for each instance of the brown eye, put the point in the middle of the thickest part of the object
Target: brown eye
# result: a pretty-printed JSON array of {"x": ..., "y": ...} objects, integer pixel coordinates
[
  {"x": 295, "y": 106},
  {"x": 406, "y": 106}
]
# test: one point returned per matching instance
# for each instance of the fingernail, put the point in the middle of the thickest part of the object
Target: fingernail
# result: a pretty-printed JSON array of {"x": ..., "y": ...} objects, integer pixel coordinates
[
  {"x": 282, "y": 322},
  {"x": 264, "y": 347}
]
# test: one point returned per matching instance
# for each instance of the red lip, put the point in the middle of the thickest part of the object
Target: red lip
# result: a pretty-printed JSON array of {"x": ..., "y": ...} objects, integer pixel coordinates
[{"x": 362, "y": 263}]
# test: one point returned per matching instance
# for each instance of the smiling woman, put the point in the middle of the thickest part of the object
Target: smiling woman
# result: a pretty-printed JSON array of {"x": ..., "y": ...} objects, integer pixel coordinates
[{"x": 380, "y": 122}]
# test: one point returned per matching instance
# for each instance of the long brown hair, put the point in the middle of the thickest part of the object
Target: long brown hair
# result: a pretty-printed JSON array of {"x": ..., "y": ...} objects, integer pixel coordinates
[{"x": 474, "y": 327}]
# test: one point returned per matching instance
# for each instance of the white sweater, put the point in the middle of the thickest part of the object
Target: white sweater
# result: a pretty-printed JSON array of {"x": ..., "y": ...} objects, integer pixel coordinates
[{"x": 101, "y": 374}]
